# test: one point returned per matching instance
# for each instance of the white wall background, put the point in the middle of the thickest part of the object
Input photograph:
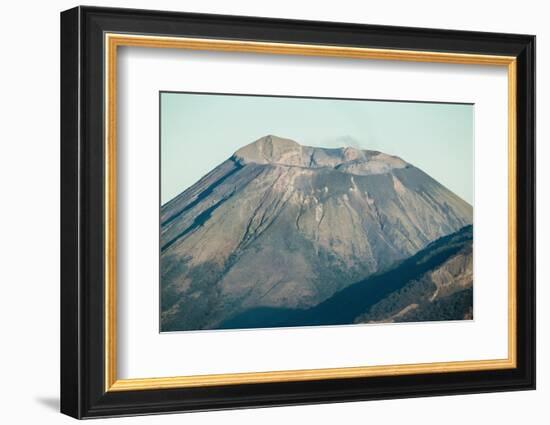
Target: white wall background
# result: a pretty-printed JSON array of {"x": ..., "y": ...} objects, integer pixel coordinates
[{"x": 29, "y": 224}]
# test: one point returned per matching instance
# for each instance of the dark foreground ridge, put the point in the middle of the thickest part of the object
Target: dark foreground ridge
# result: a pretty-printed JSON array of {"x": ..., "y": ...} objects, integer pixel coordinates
[{"x": 350, "y": 303}]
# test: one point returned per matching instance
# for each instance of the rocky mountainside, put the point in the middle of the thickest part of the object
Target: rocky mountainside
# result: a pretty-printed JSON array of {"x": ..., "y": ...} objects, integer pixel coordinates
[
  {"x": 445, "y": 291},
  {"x": 432, "y": 285},
  {"x": 284, "y": 225}
]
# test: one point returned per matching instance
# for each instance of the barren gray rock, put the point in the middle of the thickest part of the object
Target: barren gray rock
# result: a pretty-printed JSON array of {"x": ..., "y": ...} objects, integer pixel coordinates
[{"x": 284, "y": 225}]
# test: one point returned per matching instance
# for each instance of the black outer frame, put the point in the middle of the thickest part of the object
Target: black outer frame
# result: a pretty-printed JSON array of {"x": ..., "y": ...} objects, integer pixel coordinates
[{"x": 82, "y": 219}]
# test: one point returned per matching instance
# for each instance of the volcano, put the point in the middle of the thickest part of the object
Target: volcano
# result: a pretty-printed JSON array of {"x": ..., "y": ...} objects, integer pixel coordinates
[{"x": 281, "y": 225}]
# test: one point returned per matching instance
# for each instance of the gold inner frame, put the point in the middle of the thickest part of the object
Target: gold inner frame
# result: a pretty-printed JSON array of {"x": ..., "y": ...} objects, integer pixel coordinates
[{"x": 113, "y": 41}]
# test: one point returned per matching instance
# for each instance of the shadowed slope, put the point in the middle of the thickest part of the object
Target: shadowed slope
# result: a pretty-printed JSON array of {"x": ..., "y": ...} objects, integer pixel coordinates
[{"x": 355, "y": 303}]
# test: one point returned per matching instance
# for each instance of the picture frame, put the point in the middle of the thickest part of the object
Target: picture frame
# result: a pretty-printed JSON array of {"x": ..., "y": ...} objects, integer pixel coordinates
[{"x": 90, "y": 41}]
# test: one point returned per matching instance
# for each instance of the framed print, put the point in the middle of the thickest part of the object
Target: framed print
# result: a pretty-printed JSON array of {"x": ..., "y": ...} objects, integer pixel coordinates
[{"x": 261, "y": 212}]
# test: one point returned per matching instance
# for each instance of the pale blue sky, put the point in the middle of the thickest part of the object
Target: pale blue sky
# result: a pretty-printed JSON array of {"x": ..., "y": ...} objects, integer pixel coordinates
[{"x": 200, "y": 131}]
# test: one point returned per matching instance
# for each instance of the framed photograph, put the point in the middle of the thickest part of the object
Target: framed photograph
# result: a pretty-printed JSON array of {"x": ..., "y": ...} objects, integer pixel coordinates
[{"x": 261, "y": 212}]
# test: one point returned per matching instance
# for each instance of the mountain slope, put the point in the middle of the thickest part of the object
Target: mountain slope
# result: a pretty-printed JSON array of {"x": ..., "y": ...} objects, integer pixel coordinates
[
  {"x": 443, "y": 293},
  {"x": 433, "y": 284},
  {"x": 284, "y": 225}
]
